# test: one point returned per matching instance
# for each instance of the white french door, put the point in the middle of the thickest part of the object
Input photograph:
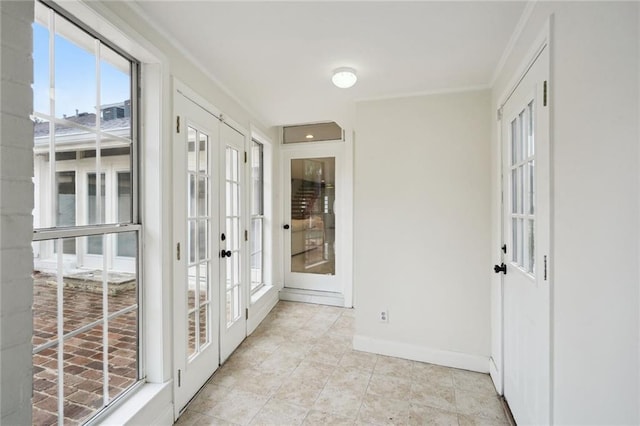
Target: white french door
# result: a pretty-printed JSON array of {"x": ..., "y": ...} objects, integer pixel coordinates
[
  {"x": 526, "y": 229},
  {"x": 196, "y": 275},
  {"x": 232, "y": 242},
  {"x": 312, "y": 191}
]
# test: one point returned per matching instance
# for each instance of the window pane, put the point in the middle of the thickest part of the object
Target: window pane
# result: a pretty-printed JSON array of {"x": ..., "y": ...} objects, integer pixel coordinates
[
  {"x": 256, "y": 252},
  {"x": 257, "y": 179},
  {"x": 94, "y": 244},
  {"x": 75, "y": 74}
]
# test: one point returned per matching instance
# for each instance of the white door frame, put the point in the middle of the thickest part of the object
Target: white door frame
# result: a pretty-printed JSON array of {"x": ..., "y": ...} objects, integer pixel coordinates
[
  {"x": 343, "y": 153},
  {"x": 496, "y": 364}
]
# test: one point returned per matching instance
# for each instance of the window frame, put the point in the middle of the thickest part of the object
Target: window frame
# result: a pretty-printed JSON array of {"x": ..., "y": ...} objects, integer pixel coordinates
[
  {"x": 260, "y": 216},
  {"x": 110, "y": 229}
]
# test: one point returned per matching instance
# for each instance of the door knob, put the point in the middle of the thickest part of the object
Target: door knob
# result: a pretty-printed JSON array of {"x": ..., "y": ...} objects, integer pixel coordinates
[
  {"x": 286, "y": 226},
  {"x": 225, "y": 253},
  {"x": 500, "y": 268}
]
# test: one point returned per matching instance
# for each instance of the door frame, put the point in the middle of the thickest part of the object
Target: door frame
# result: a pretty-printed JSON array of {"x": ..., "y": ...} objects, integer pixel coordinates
[
  {"x": 343, "y": 153},
  {"x": 496, "y": 362}
]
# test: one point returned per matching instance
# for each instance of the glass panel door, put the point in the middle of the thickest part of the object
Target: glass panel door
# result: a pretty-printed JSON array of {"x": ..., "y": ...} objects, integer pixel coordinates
[
  {"x": 313, "y": 222},
  {"x": 196, "y": 276},
  {"x": 232, "y": 249}
]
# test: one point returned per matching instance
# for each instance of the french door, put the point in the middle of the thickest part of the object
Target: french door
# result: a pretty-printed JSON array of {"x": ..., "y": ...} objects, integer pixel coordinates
[
  {"x": 232, "y": 242},
  {"x": 312, "y": 220},
  {"x": 526, "y": 292},
  {"x": 196, "y": 219}
]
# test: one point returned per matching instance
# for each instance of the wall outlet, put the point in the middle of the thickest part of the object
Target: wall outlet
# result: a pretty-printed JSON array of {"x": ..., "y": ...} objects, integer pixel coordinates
[{"x": 383, "y": 315}]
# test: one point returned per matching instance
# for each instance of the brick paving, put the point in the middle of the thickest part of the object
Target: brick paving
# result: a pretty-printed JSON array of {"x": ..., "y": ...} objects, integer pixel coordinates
[{"x": 83, "y": 357}]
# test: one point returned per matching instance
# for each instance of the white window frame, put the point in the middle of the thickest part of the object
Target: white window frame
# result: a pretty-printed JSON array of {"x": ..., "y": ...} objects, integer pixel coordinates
[
  {"x": 153, "y": 400},
  {"x": 259, "y": 216},
  {"x": 55, "y": 234}
]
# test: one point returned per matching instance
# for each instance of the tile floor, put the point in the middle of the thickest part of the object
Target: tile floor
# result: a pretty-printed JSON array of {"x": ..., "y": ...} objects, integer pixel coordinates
[{"x": 299, "y": 367}]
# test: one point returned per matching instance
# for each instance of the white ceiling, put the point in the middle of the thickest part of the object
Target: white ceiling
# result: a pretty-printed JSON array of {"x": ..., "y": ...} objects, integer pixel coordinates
[{"x": 276, "y": 58}]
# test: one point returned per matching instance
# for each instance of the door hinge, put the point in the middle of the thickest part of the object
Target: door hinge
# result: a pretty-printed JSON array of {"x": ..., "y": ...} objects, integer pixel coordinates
[
  {"x": 246, "y": 313},
  {"x": 178, "y": 251},
  {"x": 246, "y": 235},
  {"x": 245, "y": 157},
  {"x": 545, "y": 267},
  {"x": 179, "y": 378},
  {"x": 499, "y": 114},
  {"x": 178, "y": 124},
  {"x": 544, "y": 93}
]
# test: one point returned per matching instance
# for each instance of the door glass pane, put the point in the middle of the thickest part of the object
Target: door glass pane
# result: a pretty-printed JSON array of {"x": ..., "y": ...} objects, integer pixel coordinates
[
  {"x": 233, "y": 234},
  {"x": 191, "y": 335},
  {"x": 312, "y": 218},
  {"x": 198, "y": 277},
  {"x": 531, "y": 246}
]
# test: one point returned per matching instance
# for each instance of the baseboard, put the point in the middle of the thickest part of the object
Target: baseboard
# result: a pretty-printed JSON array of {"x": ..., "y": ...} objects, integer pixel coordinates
[
  {"x": 261, "y": 307},
  {"x": 422, "y": 354},
  {"x": 310, "y": 296},
  {"x": 496, "y": 377}
]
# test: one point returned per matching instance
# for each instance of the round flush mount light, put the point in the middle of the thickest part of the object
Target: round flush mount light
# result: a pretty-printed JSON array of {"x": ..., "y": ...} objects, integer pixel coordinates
[{"x": 344, "y": 77}]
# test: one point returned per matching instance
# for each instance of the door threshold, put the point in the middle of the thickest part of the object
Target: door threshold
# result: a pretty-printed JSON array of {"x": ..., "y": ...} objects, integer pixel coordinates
[{"x": 312, "y": 296}]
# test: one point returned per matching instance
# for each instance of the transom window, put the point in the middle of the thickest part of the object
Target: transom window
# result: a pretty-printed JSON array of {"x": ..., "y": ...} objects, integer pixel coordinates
[{"x": 86, "y": 245}]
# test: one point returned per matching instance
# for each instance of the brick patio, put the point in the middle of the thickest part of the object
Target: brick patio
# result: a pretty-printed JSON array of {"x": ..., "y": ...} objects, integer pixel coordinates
[{"x": 83, "y": 366}]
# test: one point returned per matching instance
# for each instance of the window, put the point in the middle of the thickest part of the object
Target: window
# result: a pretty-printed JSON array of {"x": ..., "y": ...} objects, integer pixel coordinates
[
  {"x": 86, "y": 286},
  {"x": 257, "y": 216}
]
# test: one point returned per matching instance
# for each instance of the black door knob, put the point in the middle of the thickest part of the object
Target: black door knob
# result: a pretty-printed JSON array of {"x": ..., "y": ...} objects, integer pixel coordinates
[
  {"x": 286, "y": 227},
  {"x": 225, "y": 253},
  {"x": 500, "y": 268}
]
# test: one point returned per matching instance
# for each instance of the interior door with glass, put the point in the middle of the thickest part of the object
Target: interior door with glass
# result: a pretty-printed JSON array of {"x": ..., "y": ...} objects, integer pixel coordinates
[
  {"x": 233, "y": 295},
  {"x": 310, "y": 223},
  {"x": 196, "y": 276},
  {"x": 526, "y": 292}
]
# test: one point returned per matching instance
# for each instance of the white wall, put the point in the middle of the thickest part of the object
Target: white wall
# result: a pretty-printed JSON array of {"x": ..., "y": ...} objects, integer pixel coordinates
[
  {"x": 422, "y": 237},
  {"x": 16, "y": 203},
  {"x": 594, "y": 263}
]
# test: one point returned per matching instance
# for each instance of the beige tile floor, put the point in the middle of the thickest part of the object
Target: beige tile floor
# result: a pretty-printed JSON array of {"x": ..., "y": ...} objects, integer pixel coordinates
[{"x": 299, "y": 367}]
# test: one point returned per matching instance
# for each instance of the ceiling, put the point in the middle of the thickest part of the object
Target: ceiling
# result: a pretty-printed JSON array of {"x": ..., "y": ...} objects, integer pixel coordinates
[{"x": 276, "y": 58}]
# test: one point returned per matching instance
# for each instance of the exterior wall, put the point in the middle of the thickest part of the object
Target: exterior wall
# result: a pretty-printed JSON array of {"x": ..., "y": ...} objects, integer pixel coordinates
[
  {"x": 595, "y": 196},
  {"x": 421, "y": 228},
  {"x": 16, "y": 204}
]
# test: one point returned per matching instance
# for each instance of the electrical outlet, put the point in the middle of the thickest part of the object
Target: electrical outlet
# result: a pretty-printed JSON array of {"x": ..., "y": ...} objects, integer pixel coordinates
[{"x": 383, "y": 315}]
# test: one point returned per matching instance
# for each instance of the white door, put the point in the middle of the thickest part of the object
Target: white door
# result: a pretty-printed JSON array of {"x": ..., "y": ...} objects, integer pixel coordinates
[
  {"x": 525, "y": 130},
  {"x": 312, "y": 221},
  {"x": 232, "y": 242},
  {"x": 196, "y": 276}
]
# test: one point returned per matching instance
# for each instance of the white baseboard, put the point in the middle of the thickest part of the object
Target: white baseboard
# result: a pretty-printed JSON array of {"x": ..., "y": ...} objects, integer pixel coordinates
[
  {"x": 261, "y": 305},
  {"x": 496, "y": 377},
  {"x": 422, "y": 354},
  {"x": 310, "y": 296}
]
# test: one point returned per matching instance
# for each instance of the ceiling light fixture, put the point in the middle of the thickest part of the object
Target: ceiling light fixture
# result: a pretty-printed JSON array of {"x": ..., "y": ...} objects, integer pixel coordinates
[
  {"x": 309, "y": 136},
  {"x": 344, "y": 77}
]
